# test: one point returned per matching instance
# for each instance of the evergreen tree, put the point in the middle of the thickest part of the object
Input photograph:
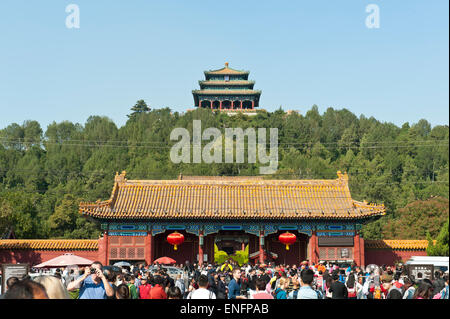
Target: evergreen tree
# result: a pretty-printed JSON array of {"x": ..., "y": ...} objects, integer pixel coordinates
[{"x": 139, "y": 108}]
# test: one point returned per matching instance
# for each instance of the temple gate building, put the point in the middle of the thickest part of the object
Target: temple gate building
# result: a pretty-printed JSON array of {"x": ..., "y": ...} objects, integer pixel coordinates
[
  {"x": 226, "y": 89},
  {"x": 231, "y": 212}
]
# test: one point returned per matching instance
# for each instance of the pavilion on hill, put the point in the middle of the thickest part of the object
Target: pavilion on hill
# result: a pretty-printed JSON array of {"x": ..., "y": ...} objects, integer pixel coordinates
[{"x": 227, "y": 89}]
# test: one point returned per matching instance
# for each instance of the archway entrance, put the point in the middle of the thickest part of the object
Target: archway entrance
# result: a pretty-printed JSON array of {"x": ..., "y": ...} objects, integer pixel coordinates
[
  {"x": 216, "y": 105},
  {"x": 231, "y": 243},
  {"x": 247, "y": 104},
  {"x": 188, "y": 250},
  {"x": 226, "y": 104},
  {"x": 297, "y": 252},
  {"x": 205, "y": 104}
]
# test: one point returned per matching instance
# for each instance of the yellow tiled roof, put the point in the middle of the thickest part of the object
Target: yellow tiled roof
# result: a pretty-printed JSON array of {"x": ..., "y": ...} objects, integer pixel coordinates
[
  {"x": 217, "y": 82},
  {"x": 50, "y": 244},
  {"x": 226, "y": 70},
  {"x": 230, "y": 199},
  {"x": 397, "y": 244}
]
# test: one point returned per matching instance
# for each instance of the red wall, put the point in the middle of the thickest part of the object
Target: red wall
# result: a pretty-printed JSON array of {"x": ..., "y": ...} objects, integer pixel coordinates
[
  {"x": 35, "y": 257},
  {"x": 390, "y": 257}
]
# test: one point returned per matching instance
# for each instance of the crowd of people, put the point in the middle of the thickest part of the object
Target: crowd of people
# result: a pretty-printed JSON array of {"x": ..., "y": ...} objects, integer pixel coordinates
[{"x": 230, "y": 281}]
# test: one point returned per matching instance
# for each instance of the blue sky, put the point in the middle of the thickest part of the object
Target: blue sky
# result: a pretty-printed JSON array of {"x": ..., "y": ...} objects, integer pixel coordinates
[{"x": 299, "y": 53}]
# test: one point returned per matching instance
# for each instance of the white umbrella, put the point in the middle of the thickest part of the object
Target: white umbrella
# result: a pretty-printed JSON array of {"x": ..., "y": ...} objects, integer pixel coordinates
[
  {"x": 65, "y": 260},
  {"x": 122, "y": 264}
]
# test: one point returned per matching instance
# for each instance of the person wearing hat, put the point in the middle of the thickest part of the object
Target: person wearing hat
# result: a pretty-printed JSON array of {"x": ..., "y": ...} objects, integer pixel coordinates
[
  {"x": 210, "y": 269},
  {"x": 389, "y": 290}
]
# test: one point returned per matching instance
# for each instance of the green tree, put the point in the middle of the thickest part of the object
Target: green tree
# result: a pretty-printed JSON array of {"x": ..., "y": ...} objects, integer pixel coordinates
[
  {"x": 441, "y": 246},
  {"x": 139, "y": 108}
]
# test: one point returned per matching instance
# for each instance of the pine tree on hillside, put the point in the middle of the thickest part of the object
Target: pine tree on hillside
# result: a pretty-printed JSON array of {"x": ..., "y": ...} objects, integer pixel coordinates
[{"x": 139, "y": 108}]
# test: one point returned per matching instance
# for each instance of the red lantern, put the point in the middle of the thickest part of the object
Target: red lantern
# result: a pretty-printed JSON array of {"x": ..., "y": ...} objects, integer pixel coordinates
[
  {"x": 175, "y": 239},
  {"x": 287, "y": 238}
]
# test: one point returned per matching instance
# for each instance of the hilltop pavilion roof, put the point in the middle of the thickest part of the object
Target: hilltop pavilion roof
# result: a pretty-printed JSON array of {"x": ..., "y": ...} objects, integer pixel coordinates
[
  {"x": 222, "y": 82},
  {"x": 226, "y": 71},
  {"x": 228, "y": 199}
]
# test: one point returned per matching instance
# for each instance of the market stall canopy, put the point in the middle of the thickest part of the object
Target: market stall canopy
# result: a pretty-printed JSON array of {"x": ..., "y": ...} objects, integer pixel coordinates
[
  {"x": 65, "y": 260},
  {"x": 165, "y": 261}
]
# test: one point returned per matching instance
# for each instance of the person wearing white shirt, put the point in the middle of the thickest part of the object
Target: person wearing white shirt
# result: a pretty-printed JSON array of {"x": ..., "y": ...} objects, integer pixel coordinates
[{"x": 202, "y": 292}]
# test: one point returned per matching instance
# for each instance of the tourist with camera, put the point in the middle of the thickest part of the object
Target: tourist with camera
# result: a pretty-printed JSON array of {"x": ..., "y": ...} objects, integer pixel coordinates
[{"x": 92, "y": 284}]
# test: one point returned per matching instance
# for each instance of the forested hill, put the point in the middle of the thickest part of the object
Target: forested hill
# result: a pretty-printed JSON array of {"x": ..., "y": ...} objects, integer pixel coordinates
[{"x": 44, "y": 174}]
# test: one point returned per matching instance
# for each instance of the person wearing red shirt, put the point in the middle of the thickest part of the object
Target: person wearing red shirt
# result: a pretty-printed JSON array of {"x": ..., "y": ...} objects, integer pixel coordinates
[
  {"x": 157, "y": 292},
  {"x": 144, "y": 289},
  {"x": 396, "y": 282}
]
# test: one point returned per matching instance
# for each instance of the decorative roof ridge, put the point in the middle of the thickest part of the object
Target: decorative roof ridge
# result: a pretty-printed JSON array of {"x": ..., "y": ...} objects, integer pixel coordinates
[
  {"x": 226, "y": 68},
  {"x": 228, "y": 82},
  {"x": 365, "y": 204},
  {"x": 118, "y": 179},
  {"x": 253, "y": 180}
]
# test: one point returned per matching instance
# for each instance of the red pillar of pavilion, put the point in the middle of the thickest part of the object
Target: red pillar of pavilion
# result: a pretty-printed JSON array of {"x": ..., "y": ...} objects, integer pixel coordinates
[
  {"x": 241, "y": 104},
  {"x": 200, "y": 241},
  {"x": 356, "y": 249},
  {"x": 362, "y": 252},
  {"x": 253, "y": 105},
  {"x": 103, "y": 249},
  {"x": 313, "y": 248},
  {"x": 261, "y": 250},
  {"x": 149, "y": 248},
  {"x": 220, "y": 105}
]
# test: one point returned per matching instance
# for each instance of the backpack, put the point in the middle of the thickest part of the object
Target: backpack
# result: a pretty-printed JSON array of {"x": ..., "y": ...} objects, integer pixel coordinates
[
  {"x": 377, "y": 293},
  {"x": 319, "y": 294},
  {"x": 275, "y": 292},
  {"x": 444, "y": 293}
]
